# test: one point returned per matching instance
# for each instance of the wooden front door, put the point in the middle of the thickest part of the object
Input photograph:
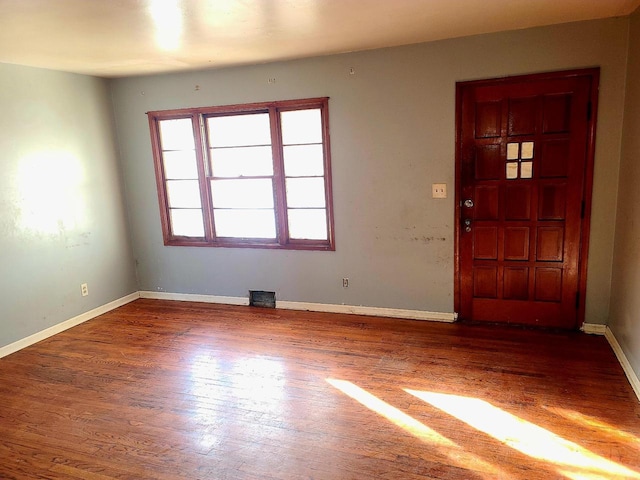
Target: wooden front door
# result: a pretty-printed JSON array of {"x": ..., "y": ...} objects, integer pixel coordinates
[{"x": 524, "y": 167}]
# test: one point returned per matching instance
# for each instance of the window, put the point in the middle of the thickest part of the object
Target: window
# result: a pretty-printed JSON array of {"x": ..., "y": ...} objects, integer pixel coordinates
[{"x": 256, "y": 175}]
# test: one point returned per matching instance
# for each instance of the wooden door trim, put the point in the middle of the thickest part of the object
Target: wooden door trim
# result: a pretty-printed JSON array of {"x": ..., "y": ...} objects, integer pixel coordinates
[{"x": 593, "y": 74}]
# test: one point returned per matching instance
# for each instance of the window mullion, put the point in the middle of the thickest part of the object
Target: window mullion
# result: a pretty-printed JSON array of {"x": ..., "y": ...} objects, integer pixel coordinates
[
  {"x": 278, "y": 176},
  {"x": 202, "y": 156}
]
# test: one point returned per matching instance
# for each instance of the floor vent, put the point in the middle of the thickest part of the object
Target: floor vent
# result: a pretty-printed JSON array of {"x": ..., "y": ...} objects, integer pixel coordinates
[{"x": 260, "y": 298}]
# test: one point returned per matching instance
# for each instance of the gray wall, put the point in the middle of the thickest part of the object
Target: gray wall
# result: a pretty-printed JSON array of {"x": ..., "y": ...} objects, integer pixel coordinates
[
  {"x": 625, "y": 305},
  {"x": 392, "y": 134},
  {"x": 62, "y": 219}
]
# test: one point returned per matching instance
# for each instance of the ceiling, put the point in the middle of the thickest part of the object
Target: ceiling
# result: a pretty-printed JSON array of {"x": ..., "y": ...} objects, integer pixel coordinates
[{"x": 115, "y": 38}]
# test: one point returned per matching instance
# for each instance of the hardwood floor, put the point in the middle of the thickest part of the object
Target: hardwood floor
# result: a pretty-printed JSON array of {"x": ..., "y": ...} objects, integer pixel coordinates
[{"x": 175, "y": 390}]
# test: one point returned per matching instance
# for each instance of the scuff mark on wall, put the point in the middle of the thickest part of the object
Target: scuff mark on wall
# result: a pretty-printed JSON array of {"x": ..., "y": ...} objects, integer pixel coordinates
[{"x": 426, "y": 239}]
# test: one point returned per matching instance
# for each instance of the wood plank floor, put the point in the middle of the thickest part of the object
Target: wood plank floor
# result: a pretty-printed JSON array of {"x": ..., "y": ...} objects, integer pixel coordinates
[{"x": 176, "y": 390}]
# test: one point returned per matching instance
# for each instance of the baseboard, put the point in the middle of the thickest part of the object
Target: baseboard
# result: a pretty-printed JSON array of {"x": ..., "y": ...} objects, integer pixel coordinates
[
  {"x": 372, "y": 311},
  {"x": 191, "y": 297},
  {"x": 590, "y": 328},
  {"x": 313, "y": 307},
  {"x": 65, "y": 325},
  {"x": 188, "y": 297},
  {"x": 622, "y": 358},
  {"x": 594, "y": 328}
]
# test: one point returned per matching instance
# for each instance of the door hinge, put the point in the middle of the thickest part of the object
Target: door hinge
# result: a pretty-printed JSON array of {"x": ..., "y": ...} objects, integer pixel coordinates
[
  {"x": 589, "y": 111},
  {"x": 582, "y": 209},
  {"x": 577, "y": 300}
]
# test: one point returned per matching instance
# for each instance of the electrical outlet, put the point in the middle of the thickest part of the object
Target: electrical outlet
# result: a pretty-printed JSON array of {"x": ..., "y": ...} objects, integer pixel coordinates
[
  {"x": 438, "y": 190},
  {"x": 345, "y": 283},
  {"x": 84, "y": 289}
]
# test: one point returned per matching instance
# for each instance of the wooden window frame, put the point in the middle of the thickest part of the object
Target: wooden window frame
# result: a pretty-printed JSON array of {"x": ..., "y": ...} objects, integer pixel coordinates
[{"x": 198, "y": 118}]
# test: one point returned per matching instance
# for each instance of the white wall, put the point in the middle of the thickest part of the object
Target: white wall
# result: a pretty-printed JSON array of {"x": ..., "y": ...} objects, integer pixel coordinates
[
  {"x": 62, "y": 219},
  {"x": 625, "y": 304},
  {"x": 392, "y": 134}
]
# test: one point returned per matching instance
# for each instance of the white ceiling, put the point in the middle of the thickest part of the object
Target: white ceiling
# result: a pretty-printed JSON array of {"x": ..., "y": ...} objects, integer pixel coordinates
[{"x": 114, "y": 38}]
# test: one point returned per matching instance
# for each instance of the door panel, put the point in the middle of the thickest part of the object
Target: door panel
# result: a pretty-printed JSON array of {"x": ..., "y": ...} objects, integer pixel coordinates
[
  {"x": 523, "y": 166},
  {"x": 550, "y": 244},
  {"x": 516, "y": 283}
]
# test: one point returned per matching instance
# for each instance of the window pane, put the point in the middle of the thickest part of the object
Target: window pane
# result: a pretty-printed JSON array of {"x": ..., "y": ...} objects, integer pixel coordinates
[
  {"x": 187, "y": 223},
  {"x": 239, "y": 130},
  {"x": 242, "y": 161},
  {"x": 303, "y": 161},
  {"x": 245, "y": 223},
  {"x": 301, "y": 126},
  {"x": 308, "y": 224},
  {"x": 176, "y": 134},
  {"x": 183, "y": 194},
  {"x": 246, "y": 193},
  {"x": 305, "y": 192},
  {"x": 513, "y": 151},
  {"x": 180, "y": 165}
]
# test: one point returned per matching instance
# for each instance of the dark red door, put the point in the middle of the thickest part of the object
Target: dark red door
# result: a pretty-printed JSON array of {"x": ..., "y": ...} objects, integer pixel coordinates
[{"x": 524, "y": 171}]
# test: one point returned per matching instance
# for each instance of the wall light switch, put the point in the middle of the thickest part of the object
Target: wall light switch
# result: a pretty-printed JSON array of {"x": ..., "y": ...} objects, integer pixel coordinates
[{"x": 439, "y": 190}]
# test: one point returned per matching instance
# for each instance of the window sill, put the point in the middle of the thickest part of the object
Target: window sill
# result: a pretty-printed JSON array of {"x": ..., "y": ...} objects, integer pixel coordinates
[{"x": 300, "y": 245}]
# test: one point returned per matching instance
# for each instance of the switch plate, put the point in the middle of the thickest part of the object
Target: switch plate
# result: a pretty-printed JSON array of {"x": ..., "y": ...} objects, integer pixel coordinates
[{"x": 438, "y": 190}]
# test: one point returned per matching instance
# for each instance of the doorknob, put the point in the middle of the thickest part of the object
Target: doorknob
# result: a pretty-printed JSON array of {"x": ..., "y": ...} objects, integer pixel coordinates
[{"x": 468, "y": 203}]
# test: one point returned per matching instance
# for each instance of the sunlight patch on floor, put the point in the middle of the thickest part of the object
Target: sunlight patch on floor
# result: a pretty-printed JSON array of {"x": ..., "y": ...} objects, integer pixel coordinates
[
  {"x": 257, "y": 385},
  {"x": 582, "y": 475},
  {"x": 594, "y": 423},
  {"x": 451, "y": 449},
  {"x": 261, "y": 382},
  {"x": 206, "y": 391},
  {"x": 390, "y": 412},
  {"x": 573, "y": 461}
]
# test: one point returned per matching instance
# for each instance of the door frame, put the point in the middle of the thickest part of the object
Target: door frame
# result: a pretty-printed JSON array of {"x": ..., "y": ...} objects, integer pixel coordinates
[{"x": 585, "y": 228}]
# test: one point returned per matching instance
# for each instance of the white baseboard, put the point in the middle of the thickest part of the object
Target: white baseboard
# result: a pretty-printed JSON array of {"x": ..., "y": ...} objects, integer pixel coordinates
[
  {"x": 314, "y": 307},
  {"x": 65, "y": 325},
  {"x": 190, "y": 297},
  {"x": 622, "y": 358},
  {"x": 590, "y": 328},
  {"x": 372, "y": 311},
  {"x": 594, "y": 328}
]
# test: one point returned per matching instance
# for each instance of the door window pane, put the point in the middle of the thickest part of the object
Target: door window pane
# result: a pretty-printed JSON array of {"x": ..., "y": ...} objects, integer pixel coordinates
[
  {"x": 303, "y": 161},
  {"x": 308, "y": 224},
  {"x": 513, "y": 151},
  {"x": 176, "y": 134},
  {"x": 187, "y": 223},
  {"x": 512, "y": 170},
  {"x": 245, "y": 193},
  {"x": 301, "y": 126},
  {"x": 527, "y": 150},
  {"x": 242, "y": 161},
  {"x": 180, "y": 165},
  {"x": 239, "y": 130},
  {"x": 183, "y": 194},
  {"x": 305, "y": 192},
  {"x": 245, "y": 223}
]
